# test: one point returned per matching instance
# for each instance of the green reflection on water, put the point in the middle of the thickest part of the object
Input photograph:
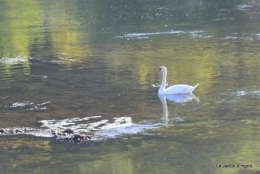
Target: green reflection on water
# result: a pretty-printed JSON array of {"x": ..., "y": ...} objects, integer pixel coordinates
[
  {"x": 16, "y": 37},
  {"x": 16, "y": 25}
]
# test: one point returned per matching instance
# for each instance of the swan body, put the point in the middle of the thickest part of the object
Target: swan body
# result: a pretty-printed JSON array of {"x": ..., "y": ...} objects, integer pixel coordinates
[{"x": 176, "y": 89}]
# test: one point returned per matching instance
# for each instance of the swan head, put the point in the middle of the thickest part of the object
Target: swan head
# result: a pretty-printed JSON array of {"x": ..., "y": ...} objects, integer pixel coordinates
[{"x": 162, "y": 69}]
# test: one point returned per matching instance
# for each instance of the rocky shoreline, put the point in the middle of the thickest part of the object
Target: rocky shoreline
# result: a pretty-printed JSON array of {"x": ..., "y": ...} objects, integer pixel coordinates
[{"x": 63, "y": 135}]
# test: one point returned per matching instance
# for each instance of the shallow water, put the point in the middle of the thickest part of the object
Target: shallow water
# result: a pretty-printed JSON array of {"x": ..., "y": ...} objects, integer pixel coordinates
[{"x": 90, "y": 65}]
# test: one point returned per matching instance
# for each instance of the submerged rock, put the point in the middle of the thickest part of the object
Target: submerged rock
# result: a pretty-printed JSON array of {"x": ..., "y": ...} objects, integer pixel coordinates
[
  {"x": 70, "y": 135},
  {"x": 2, "y": 131},
  {"x": 70, "y": 131}
]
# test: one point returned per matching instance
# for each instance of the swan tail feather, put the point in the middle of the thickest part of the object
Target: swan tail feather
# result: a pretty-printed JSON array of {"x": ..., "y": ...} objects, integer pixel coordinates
[{"x": 194, "y": 87}]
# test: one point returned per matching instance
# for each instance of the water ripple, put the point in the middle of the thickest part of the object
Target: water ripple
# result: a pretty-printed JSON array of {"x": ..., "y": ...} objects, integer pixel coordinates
[
  {"x": 243, "y": 93},
  {"x": 244, "y": 7},
  {"x": 29, "y": 105},
  {"x": 146, "y": 35},
  {"x": 40, "y": 76},
  {"x": 19, "y": 105}
]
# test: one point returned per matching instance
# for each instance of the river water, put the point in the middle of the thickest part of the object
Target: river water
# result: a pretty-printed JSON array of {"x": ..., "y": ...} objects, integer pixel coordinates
[{"x": 91, "y": 66}]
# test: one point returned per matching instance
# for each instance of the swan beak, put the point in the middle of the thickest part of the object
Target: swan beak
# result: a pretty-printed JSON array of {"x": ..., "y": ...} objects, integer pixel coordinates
[{"x": 158, "y": 70}]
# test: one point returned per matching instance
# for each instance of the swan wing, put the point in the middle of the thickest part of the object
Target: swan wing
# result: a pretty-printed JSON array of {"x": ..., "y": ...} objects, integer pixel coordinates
[{"x": 180, "y": 89}]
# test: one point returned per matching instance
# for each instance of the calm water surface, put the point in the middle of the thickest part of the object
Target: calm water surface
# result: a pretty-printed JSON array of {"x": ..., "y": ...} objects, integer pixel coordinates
[{"x": 66, "y": 59}]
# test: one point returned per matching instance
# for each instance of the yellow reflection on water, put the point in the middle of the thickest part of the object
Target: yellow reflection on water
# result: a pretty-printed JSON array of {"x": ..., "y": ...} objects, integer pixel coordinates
[
  {"x": 187, "y": 64},
  {"x": 69, "y": 39},
  {"x": 26, "y": 27},
  {"x": 19, "y": 19},
  {"x": 18, "y": 35}
]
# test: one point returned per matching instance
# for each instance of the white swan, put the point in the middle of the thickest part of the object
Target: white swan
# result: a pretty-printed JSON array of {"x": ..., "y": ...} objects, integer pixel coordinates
[{"x": 176, "y": 89}]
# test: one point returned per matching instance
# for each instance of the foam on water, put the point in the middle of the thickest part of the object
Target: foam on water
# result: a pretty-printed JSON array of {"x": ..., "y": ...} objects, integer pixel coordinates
[
  {"x": 40, "y": 76},
  {"x": 27, "y": 104},
  {"x": 120, "y": 131},
  {"x": 104, "y": 129},
  {"x": 244, "y": 7},
  {"x": 14, "y": 60},
  {"x": 100, "y": 129},
  {"x": 146, "y": 35},
  {"x": 243, "y": 93},
  {"x": 242, "y": 38}
]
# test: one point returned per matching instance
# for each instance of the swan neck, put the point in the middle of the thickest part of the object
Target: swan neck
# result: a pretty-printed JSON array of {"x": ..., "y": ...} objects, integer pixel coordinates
[{"x": 164, "y": 75}]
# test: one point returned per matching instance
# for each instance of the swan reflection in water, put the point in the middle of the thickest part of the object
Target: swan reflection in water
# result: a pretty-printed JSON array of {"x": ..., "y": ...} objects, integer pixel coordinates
[{"x": 176, "y": 99}]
